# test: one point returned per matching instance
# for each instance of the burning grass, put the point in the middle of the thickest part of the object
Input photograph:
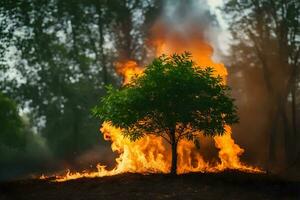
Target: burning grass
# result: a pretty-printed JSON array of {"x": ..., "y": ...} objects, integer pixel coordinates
[{"x": 150, "y": 154}]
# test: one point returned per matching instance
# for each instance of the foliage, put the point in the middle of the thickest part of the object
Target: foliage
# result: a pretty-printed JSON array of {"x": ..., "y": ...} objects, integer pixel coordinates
[
  {"x": 21, "y": 150},
  {"x": 266, "y": 54},
  {"x": 10, "y": 123},
  {"x": 59, "y": 55},
  {"x": 172, "y": 94}
]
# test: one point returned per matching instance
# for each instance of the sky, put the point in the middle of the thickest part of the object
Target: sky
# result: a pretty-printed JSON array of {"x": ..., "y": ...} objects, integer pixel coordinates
[
  {"x": 214, "y": 4},
  {"x": 223, "y": 39}
]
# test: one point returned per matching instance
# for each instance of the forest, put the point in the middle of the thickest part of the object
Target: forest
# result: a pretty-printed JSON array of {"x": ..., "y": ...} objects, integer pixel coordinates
[{"x": 57, "y": 57}]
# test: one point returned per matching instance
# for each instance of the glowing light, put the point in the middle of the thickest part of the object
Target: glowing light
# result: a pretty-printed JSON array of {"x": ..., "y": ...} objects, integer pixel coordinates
[{"x": 151, "y": 154}]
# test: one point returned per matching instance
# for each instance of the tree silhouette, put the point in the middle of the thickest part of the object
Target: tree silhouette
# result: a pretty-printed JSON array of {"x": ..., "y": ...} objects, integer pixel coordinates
[
  {"x": 11, "y": 125},
  {"x": 174, "y": 99},
  {"x": 266, "y": 37},
  {"x": 63, "y": 62}
]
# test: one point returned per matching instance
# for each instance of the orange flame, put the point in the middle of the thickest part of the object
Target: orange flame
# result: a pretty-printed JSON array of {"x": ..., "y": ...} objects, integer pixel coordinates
[
  {"x": 151, "y": 154},
  {"x": 128, "y": 69}
]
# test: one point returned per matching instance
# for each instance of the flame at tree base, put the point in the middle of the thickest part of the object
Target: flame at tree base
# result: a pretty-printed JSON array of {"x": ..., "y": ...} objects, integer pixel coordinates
[{"x": 152, "y": 155}]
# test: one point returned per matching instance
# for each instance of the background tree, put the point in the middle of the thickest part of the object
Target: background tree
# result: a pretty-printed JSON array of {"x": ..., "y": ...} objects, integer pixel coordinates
[
  {"x": 266, "y": 51},
  {"x": 174, "y": 99},
  {"x": 11, "y": 124},
  {"x": 17, "y": 142},
  {"x": 58, "y": 55}
]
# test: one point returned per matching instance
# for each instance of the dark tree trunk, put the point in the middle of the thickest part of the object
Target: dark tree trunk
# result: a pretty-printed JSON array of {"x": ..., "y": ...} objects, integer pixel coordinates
[
  {"x": 174, "y": 152},
  {"x": 101, "y": 35},
  {"x": 273, "y": 133},
  {"x": 294, "y": 117}
]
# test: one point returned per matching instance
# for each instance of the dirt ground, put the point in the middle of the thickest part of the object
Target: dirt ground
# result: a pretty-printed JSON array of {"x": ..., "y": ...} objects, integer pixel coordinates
[{"x": 225, "y": 185}]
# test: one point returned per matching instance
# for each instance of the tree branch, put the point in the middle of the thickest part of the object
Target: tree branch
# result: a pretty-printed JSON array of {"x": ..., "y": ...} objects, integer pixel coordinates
[{"x": 165, "y": 138}]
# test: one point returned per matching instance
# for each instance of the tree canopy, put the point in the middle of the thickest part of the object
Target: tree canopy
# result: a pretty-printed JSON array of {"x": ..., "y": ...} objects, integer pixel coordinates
[
  {"x": 11, "y": 125},
  {"x": 266, "y": 55},
  {"x": 173, "y": 98},
  {"x": 59, "y": 54}
]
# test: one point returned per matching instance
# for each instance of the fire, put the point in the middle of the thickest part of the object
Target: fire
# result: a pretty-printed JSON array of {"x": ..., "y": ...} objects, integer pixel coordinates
[
  {"x": 128, "y": 69},
  {"x": 146, "y": 155},
  {"x": 151, "y": 154}
]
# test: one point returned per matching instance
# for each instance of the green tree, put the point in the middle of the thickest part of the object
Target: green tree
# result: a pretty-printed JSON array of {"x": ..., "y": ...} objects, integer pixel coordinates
[
  {"x": 10, "y": 124},
  {"x": 63, "y": 53},
  {"x": 174, "y": 99},
  {"x": 21, "y": 150}
]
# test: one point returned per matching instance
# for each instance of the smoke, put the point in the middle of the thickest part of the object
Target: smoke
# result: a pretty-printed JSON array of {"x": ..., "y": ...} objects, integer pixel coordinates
[
  {"x": 17, "y": 162},
  {"x": 178, "y": 20},
  {"x": 189, "y": 25},
  {"x": 193, "y": 18},
  {"x": 182, "y": 20},
  {"x": 249, "y": 90}
]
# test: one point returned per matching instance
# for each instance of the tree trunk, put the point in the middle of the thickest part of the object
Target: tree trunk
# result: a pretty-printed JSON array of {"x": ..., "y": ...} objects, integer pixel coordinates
[
  {"x": 174, "y": 152},
  {"x": 279, "y": 113},
  {"x": 288, "y": 137},
  {"x": 294, "y": 117},
  {"x": 273, "y": 133},
  {"x": 101, "y": 37}
]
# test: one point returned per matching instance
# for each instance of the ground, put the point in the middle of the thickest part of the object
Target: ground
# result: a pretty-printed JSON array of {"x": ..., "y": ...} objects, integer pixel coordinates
[{"x": 225, "y": 185}]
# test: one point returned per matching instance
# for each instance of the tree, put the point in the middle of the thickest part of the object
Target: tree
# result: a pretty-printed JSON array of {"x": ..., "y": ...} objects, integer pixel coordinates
[
  {"x": 174, "y": 99},
  {"x": 63, "y": 53},
  {"x": 266, "y": 32},
  {"x": 10, "y": 124},
  {"x": 21, "y": 150}
]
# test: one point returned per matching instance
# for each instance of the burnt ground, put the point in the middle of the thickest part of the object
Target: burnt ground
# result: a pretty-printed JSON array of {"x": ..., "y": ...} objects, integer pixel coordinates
[{"x": 225, "y": 185}]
